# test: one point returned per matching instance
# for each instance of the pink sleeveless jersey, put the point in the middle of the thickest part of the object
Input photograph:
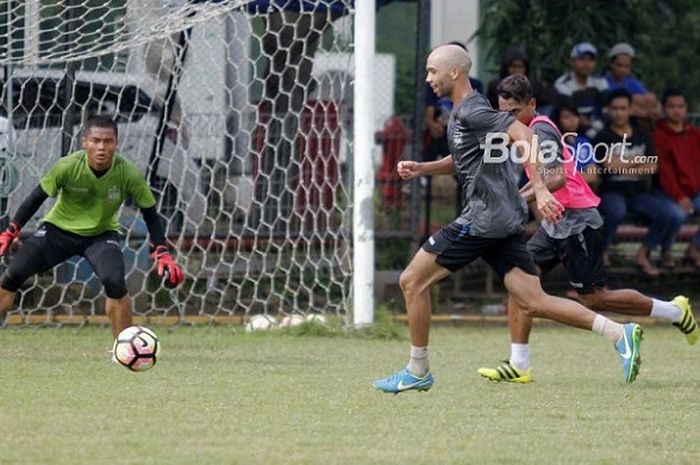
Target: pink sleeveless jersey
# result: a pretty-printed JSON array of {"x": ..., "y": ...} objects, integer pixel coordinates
[{"x": 575, "y": 193}]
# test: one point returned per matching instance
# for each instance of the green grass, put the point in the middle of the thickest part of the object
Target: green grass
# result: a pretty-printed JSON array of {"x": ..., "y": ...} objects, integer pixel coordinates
[{"x": 218, "y": 397}]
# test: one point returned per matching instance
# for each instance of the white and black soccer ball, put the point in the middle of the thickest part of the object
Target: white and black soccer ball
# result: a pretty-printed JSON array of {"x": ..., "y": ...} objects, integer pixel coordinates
[
  {"x": 261, "y": 323},
  {"x": 136, "y": 348}
]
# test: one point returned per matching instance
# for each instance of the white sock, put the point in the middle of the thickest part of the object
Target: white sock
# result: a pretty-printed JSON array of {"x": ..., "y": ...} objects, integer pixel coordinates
[
  {"x": 520, "y": 356},
  {"x": 665, "y": 310},
  {"x": 607, "y": 328},
  {"x": 418, "y": 363}
]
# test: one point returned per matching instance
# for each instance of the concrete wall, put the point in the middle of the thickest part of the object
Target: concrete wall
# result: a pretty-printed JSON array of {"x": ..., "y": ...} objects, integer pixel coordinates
[{"x": 455, "y": 20}]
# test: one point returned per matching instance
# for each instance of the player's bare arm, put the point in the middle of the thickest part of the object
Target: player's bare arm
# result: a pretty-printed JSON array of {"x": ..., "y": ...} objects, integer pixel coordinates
[
  {"x": 553, "y": 179},
  {"x": 547, "y": 205},
  {"x": 408, "y": 169}
]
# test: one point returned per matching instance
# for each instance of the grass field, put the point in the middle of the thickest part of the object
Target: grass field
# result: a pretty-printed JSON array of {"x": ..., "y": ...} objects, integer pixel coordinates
[{"x": 216, "y": 397}]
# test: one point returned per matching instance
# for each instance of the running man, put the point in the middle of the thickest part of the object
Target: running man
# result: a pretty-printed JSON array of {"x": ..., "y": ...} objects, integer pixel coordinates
[
  {"x": 490, "y": 226},
  {"x": 576, "y": 240},
  {"x": 91, "y": 186}
]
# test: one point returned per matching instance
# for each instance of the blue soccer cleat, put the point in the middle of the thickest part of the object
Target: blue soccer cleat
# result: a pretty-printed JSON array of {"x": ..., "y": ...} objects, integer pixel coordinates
[
  {"x": 404, "y": 381},
  {"x": 628, "y": 349}
]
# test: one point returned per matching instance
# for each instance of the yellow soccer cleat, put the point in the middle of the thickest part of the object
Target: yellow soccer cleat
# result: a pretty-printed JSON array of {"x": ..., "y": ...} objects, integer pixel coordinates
[
  {"x": 687, "y": 324},
  {"x": 507, "y": 372}
]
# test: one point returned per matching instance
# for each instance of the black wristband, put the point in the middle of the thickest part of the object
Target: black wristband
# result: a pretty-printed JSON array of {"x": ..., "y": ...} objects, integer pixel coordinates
[{"x": 154, "y": 224}]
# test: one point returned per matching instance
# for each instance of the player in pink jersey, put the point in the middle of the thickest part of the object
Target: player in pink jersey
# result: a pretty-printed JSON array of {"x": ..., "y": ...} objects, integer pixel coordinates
[{"x": 575, "y": 240}]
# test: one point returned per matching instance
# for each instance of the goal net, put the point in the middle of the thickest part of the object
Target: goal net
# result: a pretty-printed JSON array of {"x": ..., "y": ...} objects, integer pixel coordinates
[{"x": 238, "y": 113}]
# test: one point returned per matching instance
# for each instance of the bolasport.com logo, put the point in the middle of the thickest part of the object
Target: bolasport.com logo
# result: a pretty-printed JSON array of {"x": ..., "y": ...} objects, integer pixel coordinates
[{"x": 621, "y": 158}]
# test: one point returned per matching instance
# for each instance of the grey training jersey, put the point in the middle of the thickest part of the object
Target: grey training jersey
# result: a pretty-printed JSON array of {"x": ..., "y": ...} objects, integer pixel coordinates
[
  {"x": 492, "y": 204},
  {"x": 574, "y": 220}
]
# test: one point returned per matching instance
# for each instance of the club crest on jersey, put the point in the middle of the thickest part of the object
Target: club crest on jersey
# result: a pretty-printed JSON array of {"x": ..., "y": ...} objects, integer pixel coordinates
[{"x": 113, "y": 194}]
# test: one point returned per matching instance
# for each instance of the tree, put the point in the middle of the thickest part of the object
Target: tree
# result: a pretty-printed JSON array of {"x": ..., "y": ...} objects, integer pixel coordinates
[{"x": 665, "y": 34}]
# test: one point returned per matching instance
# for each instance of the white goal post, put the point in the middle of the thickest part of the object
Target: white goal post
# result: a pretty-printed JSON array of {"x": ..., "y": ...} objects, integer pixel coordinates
[{"x": 261, "y": 160}]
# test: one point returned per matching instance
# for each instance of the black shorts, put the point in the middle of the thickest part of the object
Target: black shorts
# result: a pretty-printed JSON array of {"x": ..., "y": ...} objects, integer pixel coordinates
[
  {"x": 582, "y": 255},
  {"x": 456, "y": 248},
  {"x": 50, "y": 245}
]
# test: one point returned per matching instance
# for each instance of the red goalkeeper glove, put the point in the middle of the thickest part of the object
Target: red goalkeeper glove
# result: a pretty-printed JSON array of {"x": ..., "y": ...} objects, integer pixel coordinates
[
  {"x": 7, "y": 236},
  {"x": 166, "y": 267}
]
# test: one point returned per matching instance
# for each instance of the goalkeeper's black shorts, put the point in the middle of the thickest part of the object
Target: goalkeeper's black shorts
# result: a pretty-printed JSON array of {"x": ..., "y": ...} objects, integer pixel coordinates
[{"x": 51, "y": 245}]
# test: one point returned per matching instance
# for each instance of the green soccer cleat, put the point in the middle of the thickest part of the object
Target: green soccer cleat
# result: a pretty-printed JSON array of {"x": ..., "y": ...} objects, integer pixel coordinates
[
  {"x": 687, "y": 324},
  {"x": 507, "y": 372},
  {"x": 628, "y": 350}
]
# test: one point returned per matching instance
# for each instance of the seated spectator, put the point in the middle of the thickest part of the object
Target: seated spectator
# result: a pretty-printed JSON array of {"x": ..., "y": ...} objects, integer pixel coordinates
[
  {"x": 678, "y": 147},
  {"x": 586, "y": 90},
  {"x": 627, "y": 180},
  {"x": 514, "y": 61},
  {"x": 566, "y": 117},
  {"x": 436, "y": 115},
  {"x": 644, "y": 104}
]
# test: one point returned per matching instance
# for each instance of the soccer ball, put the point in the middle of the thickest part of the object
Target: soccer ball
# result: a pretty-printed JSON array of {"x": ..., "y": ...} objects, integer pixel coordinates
[
  {"x": 136, "y": 348},
  {"x": 260, "y": 323},
  {"x": 290, "y": 321},
  {"x": 316, "y": 318}
]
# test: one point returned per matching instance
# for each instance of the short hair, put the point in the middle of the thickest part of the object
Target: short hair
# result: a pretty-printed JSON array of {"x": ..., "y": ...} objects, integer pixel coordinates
[
  {"x": 458, "y": 44},
  {"x": 515, "y": 87},
  {"x": 619, "y": 93},
  {"x": 564, "y": 104},
  {"x": 672, "y": 92},
  {"x": 100, "y": 121}
]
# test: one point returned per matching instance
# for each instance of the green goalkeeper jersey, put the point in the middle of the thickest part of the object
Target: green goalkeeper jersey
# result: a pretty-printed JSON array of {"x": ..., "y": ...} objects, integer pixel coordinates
[{"x": 88, "y": 205}]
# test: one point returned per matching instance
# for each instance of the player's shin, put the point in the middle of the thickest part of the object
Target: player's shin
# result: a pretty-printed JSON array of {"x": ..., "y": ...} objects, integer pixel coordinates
[
  {"x": 119, "y": 312},
  {"x": 7, "y": 299},
  {"x": 519, "y": 326}
]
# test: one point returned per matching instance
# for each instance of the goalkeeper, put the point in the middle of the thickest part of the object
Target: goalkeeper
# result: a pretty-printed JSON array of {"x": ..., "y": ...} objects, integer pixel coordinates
[{"x": 91, "y": 186}]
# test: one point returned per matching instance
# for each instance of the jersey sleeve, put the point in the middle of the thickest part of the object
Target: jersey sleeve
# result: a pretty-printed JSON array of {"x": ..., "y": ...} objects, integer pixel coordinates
[
  {"x": 54, "y": 180},
  {"x": 550, "y": 145},
  {"x": 138, "y": 188},
  {"x": 484, "y": 119}
]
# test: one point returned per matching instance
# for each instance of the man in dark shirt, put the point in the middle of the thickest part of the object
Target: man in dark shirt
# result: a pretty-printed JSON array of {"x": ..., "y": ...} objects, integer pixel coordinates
[
  {"x": 623, "y": 151},
  {"x": 583, "y": 87}
]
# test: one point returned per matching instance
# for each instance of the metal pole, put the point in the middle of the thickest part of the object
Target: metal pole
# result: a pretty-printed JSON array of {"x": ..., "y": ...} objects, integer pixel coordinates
[
  {"x": 168, "y": 104},
  {"x": 363, "y": 166},
  {"x": 9, "y": 104},
  {"x": 422, "y": 44},
  {"x": 32, "y": 10},
  {"x": 9, "y": 92},
  {"x": 67, "y": 82}
]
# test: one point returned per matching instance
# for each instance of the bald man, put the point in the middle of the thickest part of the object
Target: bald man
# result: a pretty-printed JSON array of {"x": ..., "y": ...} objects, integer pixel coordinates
[{"x": 490, "y": 225}]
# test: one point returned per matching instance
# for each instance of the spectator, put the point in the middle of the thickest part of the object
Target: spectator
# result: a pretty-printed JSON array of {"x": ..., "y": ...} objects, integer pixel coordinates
[
  {"x": 586, "y": 90},
  {"x": 627, "y": 180},
  {"x": 678, "y": 148},
  {"x": 436, "y": 115},
  {"x": 568, "y": 120},
  {"x": 514, "y": 61},
  {"x": 644, "y": 104}
]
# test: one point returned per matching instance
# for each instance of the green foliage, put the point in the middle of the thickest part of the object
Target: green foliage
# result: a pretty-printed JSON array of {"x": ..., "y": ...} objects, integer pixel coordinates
[
  {"x": 668, "y": 55},
  {"x": 396, "y": 34},
  {"x": 392, "y": 254},
  {"x": 384, "y": 327},
  {"x": 665, "y": 34}
]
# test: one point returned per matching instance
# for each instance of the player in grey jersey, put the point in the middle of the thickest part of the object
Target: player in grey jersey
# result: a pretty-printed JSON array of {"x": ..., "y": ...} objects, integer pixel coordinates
[
  {"x": 576, "y": 241},
  {"x": 489, "y": 226}
]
